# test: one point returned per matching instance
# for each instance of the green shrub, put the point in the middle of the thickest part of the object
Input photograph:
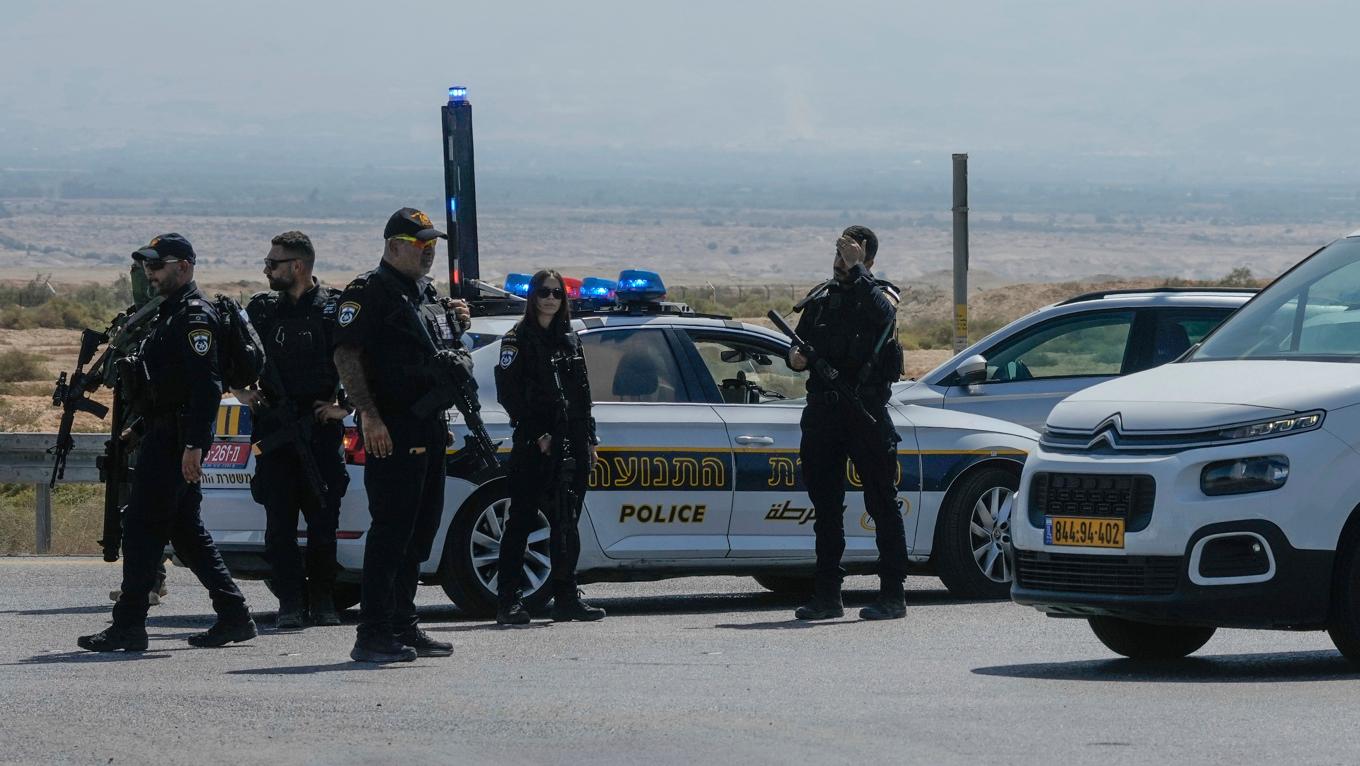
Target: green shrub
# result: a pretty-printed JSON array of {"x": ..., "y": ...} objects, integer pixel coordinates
[{"x": 18, "y": 365}]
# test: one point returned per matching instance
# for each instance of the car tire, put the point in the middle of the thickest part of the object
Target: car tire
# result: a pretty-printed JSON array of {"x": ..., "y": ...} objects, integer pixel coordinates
[
  {"x": 469, "y": 563},
  {"x": 786, "y": 585},
  {"x": 1144, "y": 641},
  {"x": 1343, "y": 624},
  {"x": 966, "y": 573}
]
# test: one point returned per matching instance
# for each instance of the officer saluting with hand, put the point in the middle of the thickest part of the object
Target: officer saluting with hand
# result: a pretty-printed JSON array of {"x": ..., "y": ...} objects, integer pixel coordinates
[
  {"x": 175, "y": 385},
  {"x": 391, "y": 333},
  {"x": 851, "y": 323}
]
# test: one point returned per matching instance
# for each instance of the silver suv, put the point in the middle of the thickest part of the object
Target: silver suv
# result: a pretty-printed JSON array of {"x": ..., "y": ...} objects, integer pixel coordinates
[{"x": 1019, "y": 372}]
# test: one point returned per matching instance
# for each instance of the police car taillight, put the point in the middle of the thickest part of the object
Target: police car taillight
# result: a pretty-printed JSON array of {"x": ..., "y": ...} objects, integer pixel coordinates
[{"x": 354, "y": 446}]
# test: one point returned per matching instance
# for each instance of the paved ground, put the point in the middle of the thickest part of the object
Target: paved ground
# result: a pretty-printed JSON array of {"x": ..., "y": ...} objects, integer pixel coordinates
[{"x": 700, "y": 670}]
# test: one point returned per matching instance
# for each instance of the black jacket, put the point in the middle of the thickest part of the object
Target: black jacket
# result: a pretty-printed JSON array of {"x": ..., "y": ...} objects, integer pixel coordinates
[
  {"x": 525, "y": 384},
  {"x": 298, "y": 336},
  {"x": 181, "y": 365},
  {"x": 845, "y": 323}
]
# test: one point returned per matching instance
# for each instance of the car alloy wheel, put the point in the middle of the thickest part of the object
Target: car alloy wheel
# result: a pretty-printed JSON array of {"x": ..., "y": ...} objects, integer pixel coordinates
[
  {"x": 484, "y": 548},
  {"x": 989, "y": 530}
]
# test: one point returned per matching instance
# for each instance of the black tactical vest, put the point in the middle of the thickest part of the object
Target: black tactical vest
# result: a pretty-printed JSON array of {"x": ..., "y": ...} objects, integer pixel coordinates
[{"x": 297, "y": 341}]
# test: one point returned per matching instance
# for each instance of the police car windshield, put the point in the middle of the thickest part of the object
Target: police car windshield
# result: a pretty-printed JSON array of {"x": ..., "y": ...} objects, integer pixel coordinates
[{"x": 1311, "y": 313}]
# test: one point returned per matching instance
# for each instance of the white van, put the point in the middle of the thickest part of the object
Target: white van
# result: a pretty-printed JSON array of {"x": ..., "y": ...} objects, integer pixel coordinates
[{"x": 1220, "y": 490}]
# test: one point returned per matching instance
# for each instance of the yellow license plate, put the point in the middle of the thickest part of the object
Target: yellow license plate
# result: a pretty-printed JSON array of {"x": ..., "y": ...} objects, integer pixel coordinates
[{"x": 1084, "y": 531}]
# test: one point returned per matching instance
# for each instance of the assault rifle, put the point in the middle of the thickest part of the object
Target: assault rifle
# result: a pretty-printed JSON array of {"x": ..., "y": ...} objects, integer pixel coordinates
[
  {"x": 455, "y": 387},
  {"x": 293, "y": 429},
  {"x": 73, "y": 395},
  {"x": 829, "y": 375},
  {"x": 563, "y": 464}
]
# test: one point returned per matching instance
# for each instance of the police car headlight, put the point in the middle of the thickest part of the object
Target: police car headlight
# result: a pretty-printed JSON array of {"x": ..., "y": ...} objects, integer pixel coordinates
[
  {"x": 1293, "y": 424},
  {"x": 1243, "y": 475}
]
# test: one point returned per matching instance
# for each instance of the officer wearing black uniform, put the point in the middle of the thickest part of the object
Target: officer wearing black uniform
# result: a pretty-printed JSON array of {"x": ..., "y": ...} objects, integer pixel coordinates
[
  {"x": 295, "y": 320},
  {"x": 850, "y": 321},
  {"x": 541, "y": 381},
  {"x": 177, "y": 389},
  {"x": 391, "y": 332}
]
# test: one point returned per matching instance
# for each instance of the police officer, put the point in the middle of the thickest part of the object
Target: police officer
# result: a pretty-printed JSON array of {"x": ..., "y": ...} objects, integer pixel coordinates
[
  {"x": 177, "y": 371},
  {"x": 541, "y": 381},
  {"x": 390, "y": 330},
  {"x": 850, "y": 321},
  {"x": 295, "y": 322}
]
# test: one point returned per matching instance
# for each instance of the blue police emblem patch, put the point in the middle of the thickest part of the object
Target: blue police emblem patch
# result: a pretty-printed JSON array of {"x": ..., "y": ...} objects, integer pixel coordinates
[
  {"x": 348, "y": 311},
  {"x": 200, "y": 341},
  {"x": 508, "y": 356}
]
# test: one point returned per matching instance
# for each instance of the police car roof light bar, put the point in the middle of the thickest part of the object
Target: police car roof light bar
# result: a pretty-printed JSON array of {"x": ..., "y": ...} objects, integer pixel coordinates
[
  {"x": 517, "y": 284},
  {"x": 596, "y": 288},
  {"x": 638, "y": 286}
]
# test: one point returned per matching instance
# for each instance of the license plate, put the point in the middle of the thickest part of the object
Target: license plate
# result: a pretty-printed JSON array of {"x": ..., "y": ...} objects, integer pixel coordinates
[
  {"x": 1083, "y": 531},
  {"x": 227, "y": 455}
]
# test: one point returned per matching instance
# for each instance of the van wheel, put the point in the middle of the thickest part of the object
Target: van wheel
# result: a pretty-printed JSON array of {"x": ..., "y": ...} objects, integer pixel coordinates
[
  {"x": 785, "y": 585},
  {"x": 1344, "y": 622},
  {"x": 972, "y": 543},
  {"x": 1143, "y": 641},
  {"x": 474, "y": 545}
]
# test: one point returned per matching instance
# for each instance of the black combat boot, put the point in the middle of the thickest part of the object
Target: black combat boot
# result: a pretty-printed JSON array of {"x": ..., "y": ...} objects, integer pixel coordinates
[
  {"x": 510, "y": 610},
  {"x": 825, "y": 603},
  {"x": 127, "y": 638},
  {"x": 891, "y": 603},
  {"x": 425, "y": 646},
  {"x": 385, "y": 649},
  {"x": 568, "y": 606},
  {"x": 289, "y": 616},
  {"x": 225, "y": 632},
  {"x": 321, "y": 599}
]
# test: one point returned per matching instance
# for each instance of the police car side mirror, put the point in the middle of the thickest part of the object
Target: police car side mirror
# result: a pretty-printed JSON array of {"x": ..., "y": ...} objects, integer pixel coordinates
[{"x": 972, "y": 370}]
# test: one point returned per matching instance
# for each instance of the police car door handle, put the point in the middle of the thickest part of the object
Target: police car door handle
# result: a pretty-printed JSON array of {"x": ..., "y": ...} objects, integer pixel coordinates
[{"x": 748, "y": 439}]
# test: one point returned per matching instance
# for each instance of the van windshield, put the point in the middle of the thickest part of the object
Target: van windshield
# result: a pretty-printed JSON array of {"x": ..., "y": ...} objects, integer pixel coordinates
[{"x": 1311, "y": 313}]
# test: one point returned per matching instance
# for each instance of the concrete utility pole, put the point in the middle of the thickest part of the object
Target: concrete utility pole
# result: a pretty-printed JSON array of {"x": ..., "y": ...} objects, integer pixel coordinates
[{"x": 960, "y": 252}]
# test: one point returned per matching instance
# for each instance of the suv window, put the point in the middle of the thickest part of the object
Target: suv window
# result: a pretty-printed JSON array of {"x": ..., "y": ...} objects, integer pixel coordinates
[
  {"x": 745, "y": 371},
  {"x": 632, "y": 365},
  {"x": 1172, "y": 332},
  {"x": 1070, "y": 346}
]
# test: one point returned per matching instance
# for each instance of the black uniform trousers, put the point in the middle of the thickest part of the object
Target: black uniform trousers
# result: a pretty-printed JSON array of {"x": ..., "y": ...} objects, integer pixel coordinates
[
  {"x": 279, "y": 485},
  {"x": 163, "y": 508},
  {"x": 831, "y": 433},
  {"x": 405, "y": 501},
  {"x": 532, "y": 488}
]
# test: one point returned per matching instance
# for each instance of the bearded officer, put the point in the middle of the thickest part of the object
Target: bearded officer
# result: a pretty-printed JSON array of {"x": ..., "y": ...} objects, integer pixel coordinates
[
  {"x": 391, "y": 330},
  {"x": 851, "y": 323},
  {"x": 177, "y": 390},
  {"x": 295, "y": 320}
]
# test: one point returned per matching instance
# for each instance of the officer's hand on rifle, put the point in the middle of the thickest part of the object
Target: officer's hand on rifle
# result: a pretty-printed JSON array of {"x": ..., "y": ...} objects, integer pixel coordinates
[
  {"x": 328, "y": 411},
  {"x": 377, "y": 441},
  {"x": 460, "y": 310},
  {"x": 593, "y": 452},
  {"x": 246, "y": 396},
  {"x": 545, "y": 443},
  {"x": 191, "y": 465},
  {"x": 797, "y": 361}
]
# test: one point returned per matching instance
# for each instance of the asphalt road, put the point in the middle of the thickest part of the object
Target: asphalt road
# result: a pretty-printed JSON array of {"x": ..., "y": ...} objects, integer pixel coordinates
[{"x": 710, "y": 670}]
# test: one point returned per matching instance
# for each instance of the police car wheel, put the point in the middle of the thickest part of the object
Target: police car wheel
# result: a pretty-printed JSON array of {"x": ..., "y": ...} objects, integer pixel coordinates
[
  {"x": 1344, "y": 623},
  {"x": 1142, "y": 641},
  {"x": 786, "y": 585},
  {"x": 473, "y": 547},
  {"x": 972, "y": 542}
]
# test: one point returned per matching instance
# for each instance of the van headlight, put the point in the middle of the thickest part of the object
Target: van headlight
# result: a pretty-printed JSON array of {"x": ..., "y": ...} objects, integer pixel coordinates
[
  {"x": 1293, "y": 424},
  {"x": 1247, "y": 474}
]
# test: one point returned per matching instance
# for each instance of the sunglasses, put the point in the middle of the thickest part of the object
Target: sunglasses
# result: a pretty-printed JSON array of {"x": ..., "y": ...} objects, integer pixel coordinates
[
  {"x": 159, "y": 264},
  {"x": 423, "y": 244},
  {"x": 271, "y": 264},
  {"x": 545, "y": 292}
]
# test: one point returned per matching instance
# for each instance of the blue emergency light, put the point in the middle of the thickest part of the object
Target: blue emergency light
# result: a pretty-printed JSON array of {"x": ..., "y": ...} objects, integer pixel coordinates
[
  {"x": 598, "y": 288},
  {"x": 517, "y": 284},
  {"x": 636, "y": 286},
  {"x": 457, "y": 94},
  {"x": 453, "y": 206}
]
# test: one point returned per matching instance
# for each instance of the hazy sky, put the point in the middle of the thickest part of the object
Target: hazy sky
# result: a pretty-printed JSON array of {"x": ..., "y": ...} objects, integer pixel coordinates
[{"x": 1213, "y": 89}]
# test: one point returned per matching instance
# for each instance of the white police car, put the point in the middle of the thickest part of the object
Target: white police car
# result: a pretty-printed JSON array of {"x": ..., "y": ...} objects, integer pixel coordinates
[
  {"x": 1221, "y": 490},
  {"x": 1022, "y": 370},
  {"x": 699, "y": 472}
]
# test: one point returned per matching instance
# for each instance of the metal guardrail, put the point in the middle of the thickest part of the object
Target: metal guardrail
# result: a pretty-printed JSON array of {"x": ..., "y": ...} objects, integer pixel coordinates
[{"x": 24, "y": 460}]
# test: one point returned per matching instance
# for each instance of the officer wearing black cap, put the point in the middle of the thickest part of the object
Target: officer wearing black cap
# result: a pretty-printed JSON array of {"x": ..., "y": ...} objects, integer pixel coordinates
[
  {"x": 850, "y": 321},
  {"x": 176, "y": 389},
  {"x": 391, "y": 328},
  {"x": 295, "y": 320}
]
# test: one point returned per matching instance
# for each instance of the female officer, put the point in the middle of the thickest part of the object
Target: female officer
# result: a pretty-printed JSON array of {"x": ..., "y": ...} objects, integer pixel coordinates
[{"x": 541, "y": 382}]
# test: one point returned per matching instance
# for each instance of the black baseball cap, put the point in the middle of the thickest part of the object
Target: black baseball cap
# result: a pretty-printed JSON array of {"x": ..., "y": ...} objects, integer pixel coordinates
[
  {"x": 411, "y": 223},
  {"x": 166, "y": 246}
]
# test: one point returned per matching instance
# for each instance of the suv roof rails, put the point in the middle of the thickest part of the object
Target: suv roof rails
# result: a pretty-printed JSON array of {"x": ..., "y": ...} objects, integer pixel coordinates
[{"x": 1097, "y": 295}]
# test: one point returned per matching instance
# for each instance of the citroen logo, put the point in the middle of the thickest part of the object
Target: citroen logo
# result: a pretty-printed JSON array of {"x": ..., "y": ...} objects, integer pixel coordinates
[{"x": 1107, "y": 431}]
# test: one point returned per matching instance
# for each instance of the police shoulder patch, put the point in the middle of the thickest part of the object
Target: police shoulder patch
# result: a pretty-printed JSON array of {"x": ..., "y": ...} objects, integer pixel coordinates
[
  {"x": 346, "y": 313},
  {"x": 200, "y": 341},
  {"x": 508, "y": 354}
]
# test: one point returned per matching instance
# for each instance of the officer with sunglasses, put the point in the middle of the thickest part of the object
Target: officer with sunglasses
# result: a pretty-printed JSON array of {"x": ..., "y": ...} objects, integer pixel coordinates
[
  {"x": 177, "y": 369},
  {"x": 541, "y": 381},
  {"x": 391, "y": 332},
  {"x": 295, "y": 320}
]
